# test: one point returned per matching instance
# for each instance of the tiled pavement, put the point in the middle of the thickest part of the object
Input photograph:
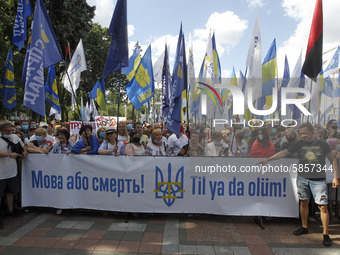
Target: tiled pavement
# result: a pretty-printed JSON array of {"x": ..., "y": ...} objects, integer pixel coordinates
[{"x": 41, "y": 231}]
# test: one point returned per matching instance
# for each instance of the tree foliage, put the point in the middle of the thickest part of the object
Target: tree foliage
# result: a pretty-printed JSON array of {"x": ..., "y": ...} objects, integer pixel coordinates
[{"x": 71, "y": 21}]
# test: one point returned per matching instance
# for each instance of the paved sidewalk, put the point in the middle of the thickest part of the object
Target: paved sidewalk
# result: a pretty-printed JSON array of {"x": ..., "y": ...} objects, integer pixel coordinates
[{"x": 41, "y": 231}]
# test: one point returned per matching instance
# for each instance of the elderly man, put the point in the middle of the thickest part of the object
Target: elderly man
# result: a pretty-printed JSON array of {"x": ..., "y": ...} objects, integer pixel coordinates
[
  {"x": 11, "y": 148},
  {"x": 311, "y": 180}
]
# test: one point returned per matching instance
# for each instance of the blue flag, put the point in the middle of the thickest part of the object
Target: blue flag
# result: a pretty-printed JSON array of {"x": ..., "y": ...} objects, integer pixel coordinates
[
  {"x": 217, "y": 64},
  {"x": 52, "y": 90},
  {"x": 178, "y": 84},
  {"x": 134, "y": 60},
  {"x": 118, "y": 56},
  {"x": 166, "y": 83},
  {"x": 44, "y": 52},
  {"x": 7, "y": 83},
  {"x": 141, "y": 88},
  {"x": 20, "y": 23}
]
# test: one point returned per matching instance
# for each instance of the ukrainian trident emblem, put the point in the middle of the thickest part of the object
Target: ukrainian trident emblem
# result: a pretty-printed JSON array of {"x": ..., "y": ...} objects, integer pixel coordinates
[{"x": 169, "y": 190}]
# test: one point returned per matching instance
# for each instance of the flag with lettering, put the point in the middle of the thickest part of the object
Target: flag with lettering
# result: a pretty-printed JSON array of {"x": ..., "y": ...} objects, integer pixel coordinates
[
  {"x": 7, "y": 83},
  {"x": 20, "y": 23},
  {"x": 44, "y": 52},
  {"x": 141, "y": 88}
]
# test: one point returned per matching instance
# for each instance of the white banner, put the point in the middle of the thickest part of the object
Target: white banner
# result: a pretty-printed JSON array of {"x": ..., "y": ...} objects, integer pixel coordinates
[
  {"x": 76, "y": 125},
  {"x": 161, "y": 184},
  {"x": 107, "y": 121}
]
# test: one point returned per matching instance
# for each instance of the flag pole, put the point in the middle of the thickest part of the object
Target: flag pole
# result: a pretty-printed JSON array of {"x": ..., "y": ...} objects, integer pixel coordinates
[{"x": 120, "y": 84}]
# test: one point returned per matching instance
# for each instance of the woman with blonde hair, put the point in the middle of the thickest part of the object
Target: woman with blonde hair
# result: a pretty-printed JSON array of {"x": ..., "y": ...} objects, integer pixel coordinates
[{"x": 157, "y": 147}]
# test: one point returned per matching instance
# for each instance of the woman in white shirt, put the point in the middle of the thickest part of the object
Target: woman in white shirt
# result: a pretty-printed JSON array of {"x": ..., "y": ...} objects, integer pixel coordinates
[{"x": 157, "y": 147}]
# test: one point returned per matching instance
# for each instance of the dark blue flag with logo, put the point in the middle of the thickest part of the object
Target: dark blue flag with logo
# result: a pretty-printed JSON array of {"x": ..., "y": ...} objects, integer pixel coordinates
[
  {"x": 51, "y": 89},
  {"x": 178, "y": 84},
  {"x": 44, "y": 52},
  {"x": 7, "y": 83},
  {"x": 20, "y": 23},
  {"x": 118, "y": 55},
  {"x": 141, "y": 88}
]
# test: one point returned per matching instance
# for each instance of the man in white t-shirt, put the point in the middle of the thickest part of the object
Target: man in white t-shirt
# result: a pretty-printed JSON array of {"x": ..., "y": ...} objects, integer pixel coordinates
[
  {"x": 9, "y": 183},
  {"x": 176, "y": 143}
]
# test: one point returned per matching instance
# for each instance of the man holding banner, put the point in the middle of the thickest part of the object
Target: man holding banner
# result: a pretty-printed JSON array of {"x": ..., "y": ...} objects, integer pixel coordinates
[{"x": 312, "y": 169}]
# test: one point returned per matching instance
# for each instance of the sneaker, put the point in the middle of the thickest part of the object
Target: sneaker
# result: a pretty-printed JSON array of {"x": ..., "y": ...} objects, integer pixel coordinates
[
  {"x": 300, "y": 231},
  {"x": 327, "y": 241}
]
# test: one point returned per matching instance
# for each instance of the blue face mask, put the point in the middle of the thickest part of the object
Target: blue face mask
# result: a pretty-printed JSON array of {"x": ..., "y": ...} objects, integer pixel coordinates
[
  {"x": 274, "y": 130},
  {"x": 247, "y": 134},
  {"x": 7, "y": 136},
  {"x": 38, "y": 138},
  {"x": 102, "y": 135},
  {"x": 156, "y": 141},
  {"x": 33, "y": 125},
  {"x": 24, "y": 127}
]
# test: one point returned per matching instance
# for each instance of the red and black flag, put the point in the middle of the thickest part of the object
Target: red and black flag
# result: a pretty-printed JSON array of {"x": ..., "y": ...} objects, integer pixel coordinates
[
  {"x": 67, "y": 56},
  {"x": 313, "y": 62}
]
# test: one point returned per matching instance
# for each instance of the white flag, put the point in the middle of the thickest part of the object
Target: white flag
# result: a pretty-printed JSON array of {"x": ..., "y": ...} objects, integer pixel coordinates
[
  {"x": 254, "y": 62},
  {"x": 77, "y": 65},
  {"x": 87, "y": 112},
  {"x": 158, "y": 68},
  {"x": 57, "y": 116},
  {"x": 93, "y": 109}
]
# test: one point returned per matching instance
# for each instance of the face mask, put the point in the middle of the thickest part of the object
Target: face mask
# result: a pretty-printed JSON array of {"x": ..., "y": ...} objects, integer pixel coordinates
[
  {"x": 228, "y": 139},
  {"x": 185, "y": 129},
  {"x": 274, "y": 130},
  {"x": 38, "y": 138},
  {"x": 33, "y": 125},
  {"x": 247, "y": 134},
  {"x": 337, "y": 147},
  {"x": 156, "y": 141},
  {"x": 24, "y": 127},
  {"x": 136, "y": 139},
  {"x": 218, "y": 143},
  {"x": 7, "y": 136},
  {"x": 260, "y": 137},
  {"x": 101, "y": 135}
]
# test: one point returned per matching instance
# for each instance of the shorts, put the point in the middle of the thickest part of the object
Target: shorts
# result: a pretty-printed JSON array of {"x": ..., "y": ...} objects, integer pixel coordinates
[
  {"x": 10, "y": 185},
  {"x": 318, "y": 188}
]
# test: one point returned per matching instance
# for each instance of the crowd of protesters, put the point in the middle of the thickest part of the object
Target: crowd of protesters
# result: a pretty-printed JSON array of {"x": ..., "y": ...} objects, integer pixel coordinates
[{"x": 138, "y": 139}]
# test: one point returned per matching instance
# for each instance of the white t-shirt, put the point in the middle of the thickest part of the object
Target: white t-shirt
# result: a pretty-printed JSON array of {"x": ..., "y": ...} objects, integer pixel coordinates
[
  {"x": 8, "y": 166},
  {"x": 154, "y": 150}
]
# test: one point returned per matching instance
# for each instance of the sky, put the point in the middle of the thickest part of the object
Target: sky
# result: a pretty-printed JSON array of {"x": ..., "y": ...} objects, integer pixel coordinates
[{"x": 157, "y": 22}]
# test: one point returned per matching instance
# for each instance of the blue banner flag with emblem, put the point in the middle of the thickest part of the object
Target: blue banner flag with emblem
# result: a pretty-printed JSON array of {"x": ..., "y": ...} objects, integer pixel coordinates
[
  {"x": 20, "y": 23},
  {"x": 98, "y": 95},
  {"x": 118, "y": 55},
  {"x": 44, "y": 52},
  {"x": 134, "y": 60},
  {"x": 7, "y": 83},
  {"x": 51, "y": 89},
  {"x": 178, "y": 84},
  {"x": 166, "y": 83},
  {"x": 141, "y": 88}
]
